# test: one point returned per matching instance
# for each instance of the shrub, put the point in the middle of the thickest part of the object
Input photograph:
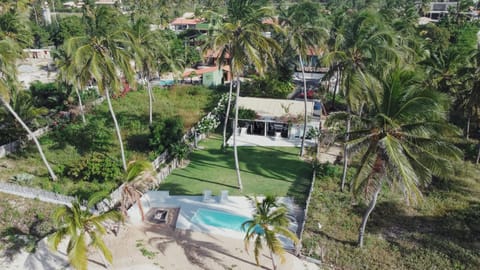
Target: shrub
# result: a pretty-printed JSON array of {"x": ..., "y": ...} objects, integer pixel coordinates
[
  {"x": 165, "y": 133},
  {"x": 96, "y": 168},
  {"x": 269, "y": 87},
  {"x": 247, "y": 114},
  {"x": 49, "y": 95}
]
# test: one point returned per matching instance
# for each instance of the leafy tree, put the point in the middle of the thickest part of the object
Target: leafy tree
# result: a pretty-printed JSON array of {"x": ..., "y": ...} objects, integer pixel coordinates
[
  {"x": 70, "y": 26},
  {"x": 403, "y": 140},
  {"x": 165, "y": 133},
  {"x": 269, "y": 221},
  {"x": 84, "y": 230}
]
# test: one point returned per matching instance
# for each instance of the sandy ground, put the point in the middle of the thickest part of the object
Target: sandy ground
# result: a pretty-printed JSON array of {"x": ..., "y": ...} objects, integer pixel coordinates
[{"x": 148, "y": 247}]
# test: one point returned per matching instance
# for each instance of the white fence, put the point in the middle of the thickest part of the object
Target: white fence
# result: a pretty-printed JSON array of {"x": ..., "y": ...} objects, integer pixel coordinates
[
  {"x": 36, "y": 193},
  {"x": 13, "y": 146}
]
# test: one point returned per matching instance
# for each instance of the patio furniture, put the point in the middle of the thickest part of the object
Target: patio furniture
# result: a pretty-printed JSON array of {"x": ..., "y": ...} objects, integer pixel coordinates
[
  {"x": 207, "y": 196},
  {"x": 223, "y": 196}
]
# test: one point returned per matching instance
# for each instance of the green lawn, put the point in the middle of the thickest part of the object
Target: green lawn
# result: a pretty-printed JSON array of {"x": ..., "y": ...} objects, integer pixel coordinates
[{"x": 264, "y": 170}]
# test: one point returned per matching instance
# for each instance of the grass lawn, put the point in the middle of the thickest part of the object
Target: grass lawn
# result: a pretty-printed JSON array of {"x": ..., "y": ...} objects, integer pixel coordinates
[
  {"x": 22, "y": 223},
  {"x": 190, "y": 103},
  {"x": 442, "y": 232},
  {"x": 264, "y": 170}
]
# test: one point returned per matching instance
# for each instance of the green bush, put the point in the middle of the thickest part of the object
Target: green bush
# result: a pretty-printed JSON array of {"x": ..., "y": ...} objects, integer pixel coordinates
[
  {"x": 247, "y": 114},
  {"x": 165, "y": 133},
  {"x": 96, "y": 168},
  {"x": 49, "y": 95},
  {"x": 268, "y": 87},
  {"x": 94, "y": 136}
]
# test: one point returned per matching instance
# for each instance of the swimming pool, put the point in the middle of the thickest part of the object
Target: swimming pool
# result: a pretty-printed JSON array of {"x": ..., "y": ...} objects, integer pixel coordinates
[{"x": 219, "y": 219}]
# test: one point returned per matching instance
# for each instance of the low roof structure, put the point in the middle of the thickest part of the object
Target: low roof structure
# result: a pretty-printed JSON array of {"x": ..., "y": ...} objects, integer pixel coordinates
[{"x": 274, "y": 108}]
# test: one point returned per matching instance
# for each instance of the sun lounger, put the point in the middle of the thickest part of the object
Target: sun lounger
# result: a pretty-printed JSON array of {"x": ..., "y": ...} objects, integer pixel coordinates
[
  {"x": 223, "y": 196},
  {"x": 207, "y": 196}
]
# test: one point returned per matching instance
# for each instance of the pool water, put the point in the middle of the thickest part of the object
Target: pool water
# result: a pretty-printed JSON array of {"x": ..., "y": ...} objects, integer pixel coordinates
[{"x": 219, "y": 219}]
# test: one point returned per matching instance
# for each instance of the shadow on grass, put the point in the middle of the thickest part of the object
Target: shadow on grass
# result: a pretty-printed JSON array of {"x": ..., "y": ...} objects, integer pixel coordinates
[
  {"x": 174, "y": 188},
  {"x": 201, "y": 180},
  {"x": 138, "y": 142},
  {"x": 456, "y": 234}
]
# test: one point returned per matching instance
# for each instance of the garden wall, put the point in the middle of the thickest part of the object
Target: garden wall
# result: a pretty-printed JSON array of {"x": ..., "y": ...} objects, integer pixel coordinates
[
  {"x": 13, "y": 146},
  {"x": 35, "y": 193}
]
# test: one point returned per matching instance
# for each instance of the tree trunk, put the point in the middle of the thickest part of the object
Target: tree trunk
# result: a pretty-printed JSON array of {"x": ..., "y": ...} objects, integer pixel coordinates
[
  {"x": 302, "y": 148},
  {"x": 30, "y": 133},
  {"x": 345, "y": 150},
  {"x": 80, "y": 104},
  {"x": 235, "y": 125},
  {"x": 371, "y": 206},
  {"x": 478, "y": 155},
  {"x": 117, "y": 129},
  {"x": 227, "y": 112},
  {"x": 274, "y": 263},
  {"x": 467, "y": 129},
  {"x": 150, "y": 102},
  {"x": 337, "y": 81},
  {"x": 140, "y": 208}
]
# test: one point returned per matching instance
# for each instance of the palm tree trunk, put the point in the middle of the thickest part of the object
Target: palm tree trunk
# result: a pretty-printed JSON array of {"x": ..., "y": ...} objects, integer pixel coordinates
[
  {"x": 30, "y": 133},
  {"x": 302, "y": 148},
  {"x": 478, "y": 155},
  {"x": 150, "y": 102},
  {"x": 235, "y": 125},
  {"x": 345, "y": 150},
  {"x": 82, "y": 112},
  {"x": 337, "y": 80},
  {"x": 274, "y": 263},
  {"x": 371, "y": 206},
  {"x": 117, "y": 129},
  {"x": 467, "y": 129},
  {"x": 227, "y": 112}
]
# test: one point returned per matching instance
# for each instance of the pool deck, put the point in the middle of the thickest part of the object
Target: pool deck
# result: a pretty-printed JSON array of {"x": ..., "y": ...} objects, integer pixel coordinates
[{"x": 237, "y": 205}]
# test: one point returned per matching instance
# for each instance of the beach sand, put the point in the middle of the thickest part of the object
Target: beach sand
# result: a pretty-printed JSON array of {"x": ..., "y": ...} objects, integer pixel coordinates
[{"x": 154, "y": 247}]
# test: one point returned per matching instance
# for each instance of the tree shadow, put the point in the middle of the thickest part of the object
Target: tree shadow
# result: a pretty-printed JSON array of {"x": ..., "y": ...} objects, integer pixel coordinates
[
  {"x": 138, "y": 143},
  {"x": 174, "y": 189},
  {"x": 193, "y": 249},
  {"x": 456, "y": 234}
]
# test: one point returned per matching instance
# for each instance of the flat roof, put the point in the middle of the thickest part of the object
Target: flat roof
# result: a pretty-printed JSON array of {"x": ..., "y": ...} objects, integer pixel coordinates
[{"x": 269, "y": 107}]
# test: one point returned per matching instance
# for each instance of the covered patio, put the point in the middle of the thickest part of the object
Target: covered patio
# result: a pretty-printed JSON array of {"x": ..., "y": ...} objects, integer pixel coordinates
[{"x": 279, "y": 122}]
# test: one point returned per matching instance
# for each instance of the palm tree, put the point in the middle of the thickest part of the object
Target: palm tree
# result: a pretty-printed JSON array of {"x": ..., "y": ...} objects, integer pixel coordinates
[
  {"x": 241, "y": 35},
  {"x": 149, "y": 50},
  {"x": 68, "y": 74},
  {"x": 140, "y": 175},
  {"x": 269, "y": 221},
  {"x": 301, "y": 25},
  {"x": 403, "y": 140},
  {"x": 101, "y": 55},
  {"x": 9, "y": 51},
  {"x": 363, "y": 43},
  {"x": 84, "y": 230}
]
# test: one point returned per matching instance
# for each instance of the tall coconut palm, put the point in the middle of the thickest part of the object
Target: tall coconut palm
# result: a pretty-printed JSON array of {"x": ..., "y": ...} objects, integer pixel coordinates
[
  {"x": 269, "y": 221},
  {"x": 83, "y": 230},
  {"x": 304, "y": 35},
  {"x": 149, "y": 51},
  {"x": 242, "y": 35},
  {"x": 362, "y": 43},
  {"x": 403, "y": 140},
  {"x": 105, "y": 57},
  {"x": 9, "y": 51},
  {"x": 67, "y": 74},
  {"x": 140, "y": 176}
]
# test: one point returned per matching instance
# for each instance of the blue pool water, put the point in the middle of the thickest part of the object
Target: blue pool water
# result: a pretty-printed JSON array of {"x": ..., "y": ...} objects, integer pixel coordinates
[{"x": 219, "y": 219}]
